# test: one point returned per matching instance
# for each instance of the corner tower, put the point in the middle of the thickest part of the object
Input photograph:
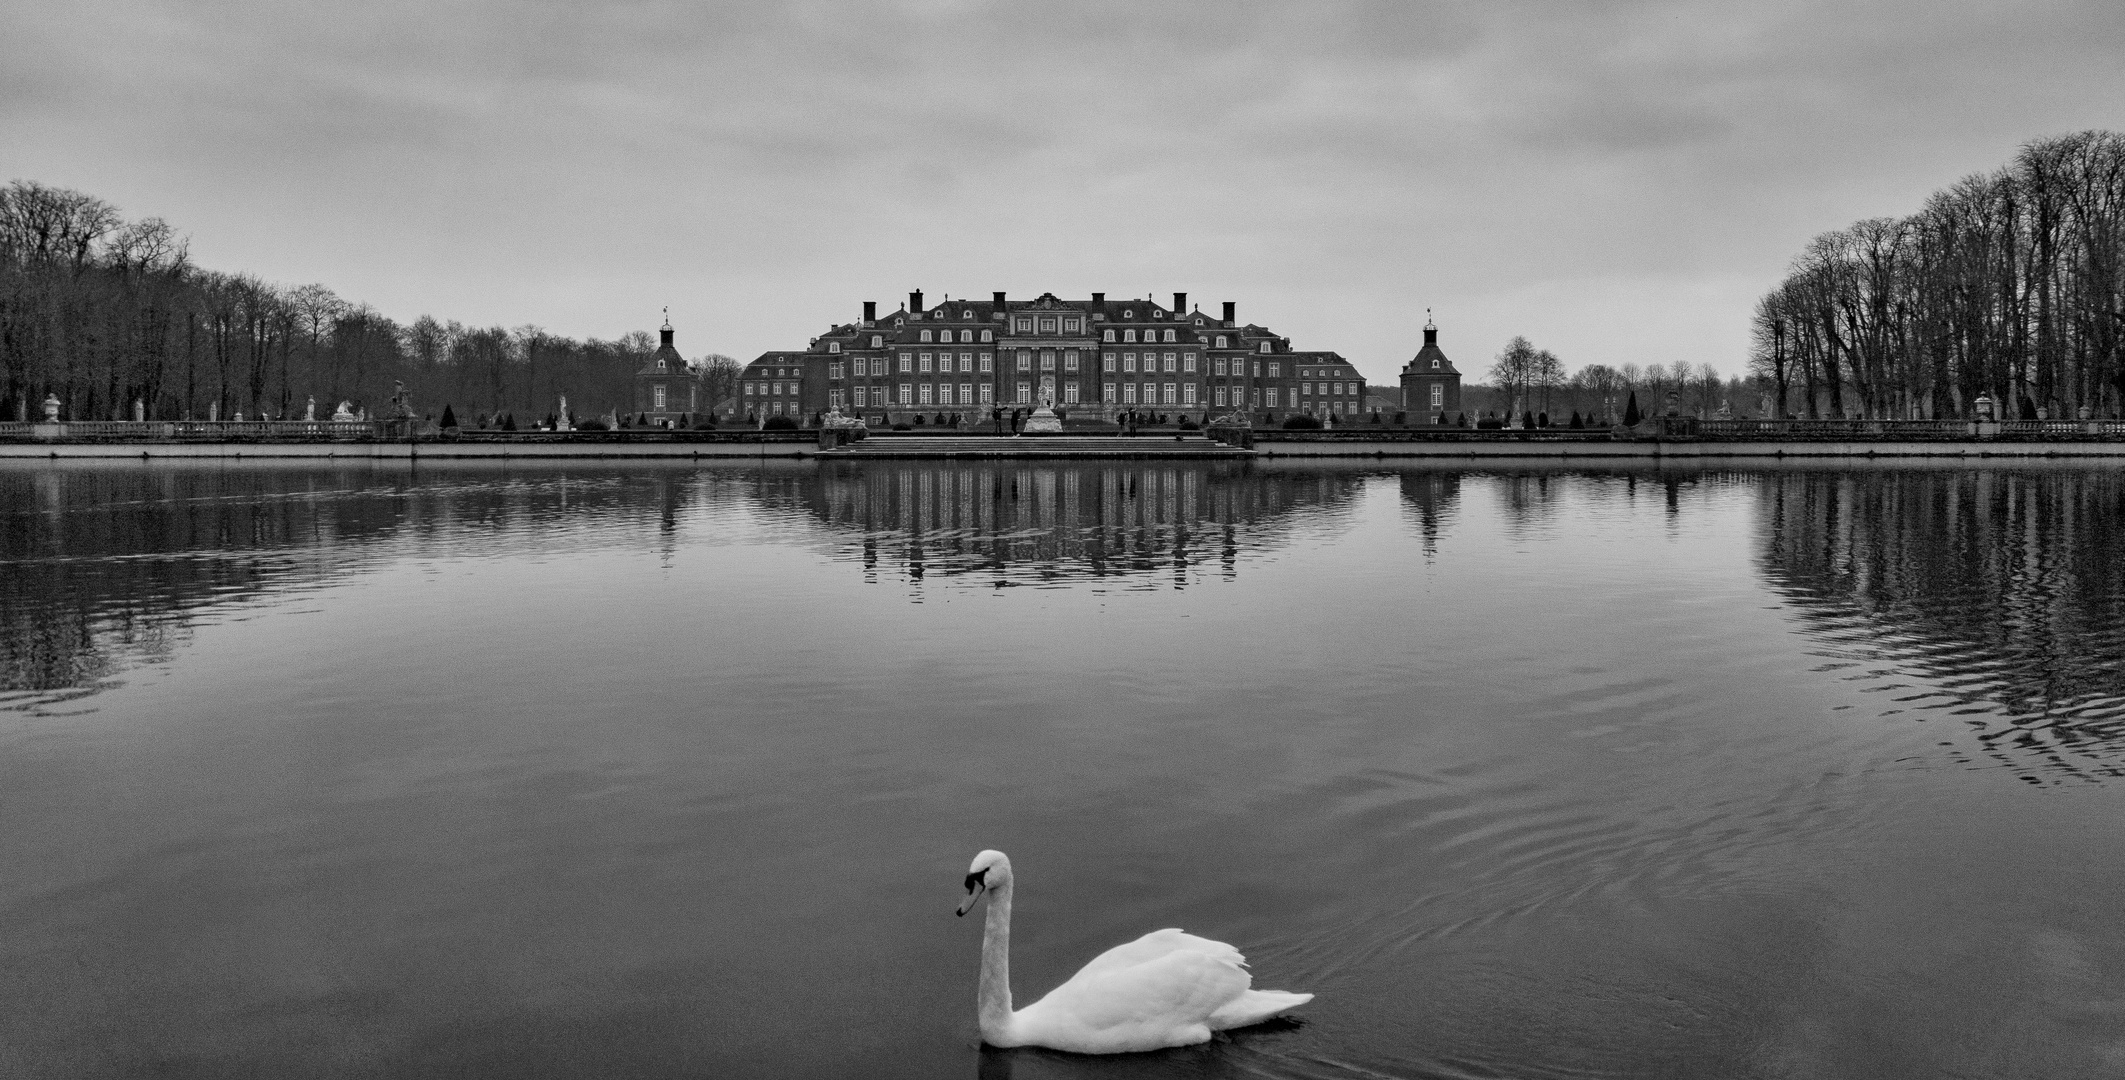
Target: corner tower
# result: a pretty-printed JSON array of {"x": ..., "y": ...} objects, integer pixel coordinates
[
  {"x": 664, "y": 389},
  {"x": 1431, "y": 387}
]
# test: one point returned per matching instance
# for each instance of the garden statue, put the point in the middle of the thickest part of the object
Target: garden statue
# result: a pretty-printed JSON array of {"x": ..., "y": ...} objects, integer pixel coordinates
[
  {"x": 51, "y": 408},
  {"x": 310, "y": 410},
  {"x": 344, "y": 413}
]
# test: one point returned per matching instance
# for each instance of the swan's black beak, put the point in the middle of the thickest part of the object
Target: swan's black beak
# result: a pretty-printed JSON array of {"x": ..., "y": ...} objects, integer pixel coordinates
[{"x": 975, "y": 887}]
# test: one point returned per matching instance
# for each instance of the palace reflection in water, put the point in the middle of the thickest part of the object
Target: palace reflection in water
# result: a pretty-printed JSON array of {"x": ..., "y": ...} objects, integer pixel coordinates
[
  {"x": 1024, "y": 523},
  {"x": 1995, "y": 598}
]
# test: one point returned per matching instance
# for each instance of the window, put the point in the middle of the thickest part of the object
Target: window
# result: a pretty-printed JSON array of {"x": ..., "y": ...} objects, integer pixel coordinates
[
  {"x": 775, "y": 389},
  {"x": 1128, "y": 393},
  {"x": 1128, "y": 361},
  {"x": 833, "y": 371},
  {"x": 1188, "y": 393},
  {"x": 1047, "y": 359},
  {"x": 1025, "y": 360},
  {"x": 988, "y": 335},
  {"x": 833, "y": 346},
  {"x": 833, "y": 399},
  {"x": 1106, "y": 335},
  {"x": 1264, "y": 347},
  {"x": 656, "y": 396},
  {"x": 907, "y": 394},
  {"x": 1169, "y": 361},
  {"x": 1169, "y": 336},
  {"x": 1106, "y": 392},
  {"x": 1025, "y": 393},
  {"x": 1106, "y": 361},
  {"x": 988, "y": 393},
  {"x": 1306, "y": 388},
  {"x": 1272, "y": 397},
  {"x": 1070, "y": 327},
  {"x": 878, "y": 367},
  {"x": 1169, "y": 399},
  {"x": 877, "y": 341},
  {"x": 1438, "y": 395},
  {"x": 966, "y": 361},
  {"x": 1217, "y": 396},
  {"x": 924, "y": 390},
  {"x": 1069, "y": 359},
  {"x": 988, "y": 362},
  {"x": 1070, "y": 392},
  {"x": 925, "y": 335},
  {"x": 1198, "y": 320},
  {"x": 1217, "y": 366},
  {"x": 1275, "y": 369},
  {"x": 1188, "y": 361},
  {"x": 1257, "y": 369},
  {"x": 1025, "y": 326},
  {"x": 966, "y": 393},
  {"x": 923, "y": 364},
  {"x": 1221, "y": 341},
  {"x": 1129, "y": 313},
  {"x": 1047, "y": 326},
  {"x": 1435, "y": 363},
  {"x": 907, "y": 362},
  {"x": 945, "y": 336},
  {"x": 966, "y": 316},
  {"x": 660, "y": 365},
  {"x": 778, "y": 408}
]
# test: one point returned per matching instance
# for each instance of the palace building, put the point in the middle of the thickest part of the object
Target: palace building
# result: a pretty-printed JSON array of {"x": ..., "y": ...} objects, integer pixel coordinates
[{"x": 957, "y": 360}]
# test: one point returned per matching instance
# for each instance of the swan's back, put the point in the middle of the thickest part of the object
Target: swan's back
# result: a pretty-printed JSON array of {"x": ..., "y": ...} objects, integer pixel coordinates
[{"x": 1167, "y": 988}]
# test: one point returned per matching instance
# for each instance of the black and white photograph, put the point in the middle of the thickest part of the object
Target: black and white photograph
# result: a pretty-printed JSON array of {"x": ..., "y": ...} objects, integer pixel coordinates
[{"x": 1536, "y": 539}]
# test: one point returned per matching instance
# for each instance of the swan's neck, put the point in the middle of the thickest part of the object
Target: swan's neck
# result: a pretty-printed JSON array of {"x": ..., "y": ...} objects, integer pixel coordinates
[{"x": 995, "y": 995}]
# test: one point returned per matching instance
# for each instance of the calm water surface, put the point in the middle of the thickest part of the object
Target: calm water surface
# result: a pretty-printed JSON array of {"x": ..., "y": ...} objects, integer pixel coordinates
[{"x": 662, "y": 771}]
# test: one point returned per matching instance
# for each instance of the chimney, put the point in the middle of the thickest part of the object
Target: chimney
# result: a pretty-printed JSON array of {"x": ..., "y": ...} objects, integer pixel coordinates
[
  {"x": 998, "y": 302},
  {"x": 1431, "y": 333},
  {"x": 870, "y": 313},
  {"x": 1180, "y": 304},
  {"x": 1230, "y": 317},
  {"x": 915, "y": 302},
  {"x": 1099, "y": 300}
]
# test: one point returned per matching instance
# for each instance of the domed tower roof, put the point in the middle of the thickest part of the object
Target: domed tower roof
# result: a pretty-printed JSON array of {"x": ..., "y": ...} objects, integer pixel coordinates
[
  {"x": 1430, "y": 360},
  {"x": 666, "y": 360}
]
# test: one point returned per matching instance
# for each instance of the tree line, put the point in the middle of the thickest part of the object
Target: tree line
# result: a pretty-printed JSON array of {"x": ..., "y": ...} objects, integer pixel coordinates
[
  {"x": 2007, "y": 284},
  {"x": 1526, "y": 381},
  {"x": 102, "y": 312}
]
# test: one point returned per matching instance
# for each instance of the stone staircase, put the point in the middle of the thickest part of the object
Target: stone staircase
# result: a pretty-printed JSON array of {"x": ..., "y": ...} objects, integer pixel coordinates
[{"x": 896, "y": 445}]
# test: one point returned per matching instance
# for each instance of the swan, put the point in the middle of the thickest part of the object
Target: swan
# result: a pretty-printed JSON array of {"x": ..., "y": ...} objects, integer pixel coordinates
[{"x": 1164, "y": 989}]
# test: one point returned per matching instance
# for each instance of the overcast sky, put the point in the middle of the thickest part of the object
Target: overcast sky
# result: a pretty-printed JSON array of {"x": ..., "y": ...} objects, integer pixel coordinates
[{"x": 1617, "y": 181}]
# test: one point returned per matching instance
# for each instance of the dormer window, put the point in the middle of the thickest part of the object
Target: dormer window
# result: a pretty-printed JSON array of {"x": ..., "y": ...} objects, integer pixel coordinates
[
  {"x": 1070, "y": 326},
  {"x": 1221, "y": 341},
  {"x": 1169, "y": 335},
  {"x": 1198, "y": 320},
  {"x": 833, "y": 346},
  {"x": 877, "y": 341},
  {"x": 925, "y": 335},
  {"x": 1128, "y": 335},
  {"x": 900, "y": 322},
  {"x": 988, "y": 335},
  {"x": 1107, "y": 335},
  {"x": 1025, "y": 326},
  {"x": 660, "y": 365},
  {"x": 1129, "y": 313},
  {"x": 1265, "y": 347},
  {"x": 1047, "y": 326},
  {"x": 1435, "y": 363},
  {"x": 966, "y": 316}
]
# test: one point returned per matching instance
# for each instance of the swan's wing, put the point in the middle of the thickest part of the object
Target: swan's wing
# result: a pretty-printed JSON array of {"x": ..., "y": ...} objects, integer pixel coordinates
[
  {"x": 1164, "y": 1001},
  {"x": 1154, "y": 945}
]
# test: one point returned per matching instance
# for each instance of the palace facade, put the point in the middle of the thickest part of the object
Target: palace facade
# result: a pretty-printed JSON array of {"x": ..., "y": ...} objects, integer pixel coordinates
[{"x": 957, "y": 360}]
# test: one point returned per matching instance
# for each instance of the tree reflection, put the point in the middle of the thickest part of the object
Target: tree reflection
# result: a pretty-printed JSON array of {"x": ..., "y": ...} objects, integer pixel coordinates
[{"x": 1989, "y": 596}]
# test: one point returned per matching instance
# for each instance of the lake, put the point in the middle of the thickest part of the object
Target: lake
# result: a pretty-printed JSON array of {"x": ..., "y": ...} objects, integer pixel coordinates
[{"x": 671, "y": 771}]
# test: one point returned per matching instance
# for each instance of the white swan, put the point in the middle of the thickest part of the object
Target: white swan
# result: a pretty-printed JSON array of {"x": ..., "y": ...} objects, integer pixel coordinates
[{"x": 1164, "y": 989}]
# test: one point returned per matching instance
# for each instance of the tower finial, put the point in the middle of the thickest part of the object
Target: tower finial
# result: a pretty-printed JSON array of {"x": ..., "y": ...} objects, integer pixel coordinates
[
  {"x": 1427, "y": 320},
  {"x": 667, "y": 316}
]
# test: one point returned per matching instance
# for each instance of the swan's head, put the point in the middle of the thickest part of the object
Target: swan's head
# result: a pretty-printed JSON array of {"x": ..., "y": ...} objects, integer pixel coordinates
[{"x": 991, "y": 870}]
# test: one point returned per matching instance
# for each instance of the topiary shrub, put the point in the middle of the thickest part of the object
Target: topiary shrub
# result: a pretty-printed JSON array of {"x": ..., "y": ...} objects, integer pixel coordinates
[
  {"x": 591, "y": 425},
  {"x": 779, "y": 423},
  {"x": 1301, "y": 422},
  {"x": 1190, "y": 425},
  {"x": 1631, "y": 415},
  {"x": 1401, "y": 419},
  {"x": 706, "y": 423},
  {"x": 902, "y": 427}
]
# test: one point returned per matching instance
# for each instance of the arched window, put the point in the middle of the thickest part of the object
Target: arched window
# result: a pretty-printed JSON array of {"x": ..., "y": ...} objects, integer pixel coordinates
[
  {"x": 877, "y": 340},
  {"x": 988, "y": 335},
  {"x": 1221, "y": 341},
  {"x": 1265, "y": 347},
  {"x": 1108, "y": 335},
  {"x": 1128, "y": 335},
  {"x": 833, "y": 346},
  {"x": 1435, "y": 363},
  {"x": 925, "y": 335},
  {"x": 660, "y": 365},
  {"x": 1169, "y": 335}
]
